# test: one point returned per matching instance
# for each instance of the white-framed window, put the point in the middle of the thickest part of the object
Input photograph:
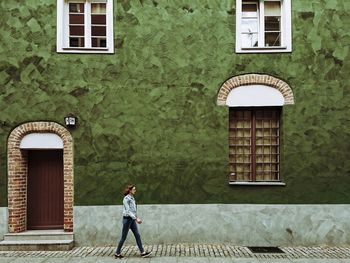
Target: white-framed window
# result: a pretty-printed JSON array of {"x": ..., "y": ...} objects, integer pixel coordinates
[
  {"x": 263, "y": 26},
  {"x": 85, "y": 26}
]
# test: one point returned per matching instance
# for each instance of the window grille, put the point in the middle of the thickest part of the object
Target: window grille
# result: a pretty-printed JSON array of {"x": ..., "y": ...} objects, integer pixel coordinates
[{"x": 254, "y": 136}]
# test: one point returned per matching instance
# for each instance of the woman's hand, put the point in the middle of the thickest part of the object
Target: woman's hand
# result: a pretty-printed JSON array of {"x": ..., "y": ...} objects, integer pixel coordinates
[{"x": 138, "y": 220}]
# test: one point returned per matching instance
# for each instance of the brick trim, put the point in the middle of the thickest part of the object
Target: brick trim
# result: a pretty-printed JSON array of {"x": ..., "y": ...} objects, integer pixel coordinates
[
  {"x": 253, "y": 79},
  {"x": 17, "y": 174}
]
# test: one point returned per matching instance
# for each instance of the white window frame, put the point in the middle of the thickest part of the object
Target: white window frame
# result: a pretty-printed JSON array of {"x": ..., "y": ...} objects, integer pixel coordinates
[
  {"x": 286, "y": 29},
  {"x": 63, "y": 27}
]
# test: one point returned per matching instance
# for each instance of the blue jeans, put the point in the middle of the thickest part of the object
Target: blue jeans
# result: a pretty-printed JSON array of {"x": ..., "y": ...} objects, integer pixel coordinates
[{"x": 129, "y": 223}]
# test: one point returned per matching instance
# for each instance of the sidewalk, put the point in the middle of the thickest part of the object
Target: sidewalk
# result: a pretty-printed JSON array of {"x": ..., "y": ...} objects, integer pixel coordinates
[{"x": 183, "y": 253}]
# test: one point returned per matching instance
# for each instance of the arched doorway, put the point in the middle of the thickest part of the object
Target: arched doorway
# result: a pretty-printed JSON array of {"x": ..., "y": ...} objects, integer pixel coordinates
[{"x": 40, "y": 177}]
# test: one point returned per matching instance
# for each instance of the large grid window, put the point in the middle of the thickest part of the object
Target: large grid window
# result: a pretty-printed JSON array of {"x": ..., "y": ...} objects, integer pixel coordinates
[
  {"x": 85, "y": 26},
  {"x": 254, "y": 136},
  {"x": 263, "y": 26}
]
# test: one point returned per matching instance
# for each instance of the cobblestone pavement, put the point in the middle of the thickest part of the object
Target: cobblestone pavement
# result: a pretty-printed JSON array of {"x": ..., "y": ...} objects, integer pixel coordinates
[{"x": 194, "y": 251}]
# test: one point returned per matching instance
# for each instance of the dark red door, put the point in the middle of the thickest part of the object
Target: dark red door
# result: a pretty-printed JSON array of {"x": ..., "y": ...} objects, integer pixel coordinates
[{"x": 45, "y": 189}]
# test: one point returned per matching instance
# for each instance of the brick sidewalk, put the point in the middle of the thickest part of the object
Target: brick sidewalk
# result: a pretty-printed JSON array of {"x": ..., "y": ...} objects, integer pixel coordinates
[{"x": 192, "y": 250}]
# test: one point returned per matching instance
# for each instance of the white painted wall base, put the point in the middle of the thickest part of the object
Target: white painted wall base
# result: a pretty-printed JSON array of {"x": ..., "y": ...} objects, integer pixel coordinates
[
  {"x": 3, "y": 222},
  {"x": 263, "y": 225}
]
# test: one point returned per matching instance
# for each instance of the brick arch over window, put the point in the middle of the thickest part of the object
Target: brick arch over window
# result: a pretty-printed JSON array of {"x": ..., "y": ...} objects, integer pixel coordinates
[
  {"x": 254, "y": 79},
  {"x": 17, "y": 174}
]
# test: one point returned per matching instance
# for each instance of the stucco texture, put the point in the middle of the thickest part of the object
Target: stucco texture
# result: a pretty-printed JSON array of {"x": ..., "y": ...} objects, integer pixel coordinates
[{"x": 147, "y": 113}]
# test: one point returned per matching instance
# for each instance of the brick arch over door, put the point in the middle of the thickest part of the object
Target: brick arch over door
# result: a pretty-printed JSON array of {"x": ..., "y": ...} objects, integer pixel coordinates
[
  {"x": 17, "y": 174},
  {"x": 254, "y": 79}
]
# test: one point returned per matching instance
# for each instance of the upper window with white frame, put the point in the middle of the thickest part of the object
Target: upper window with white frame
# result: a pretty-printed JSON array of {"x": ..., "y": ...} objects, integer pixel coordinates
[
  {"x": 263, "y": 26},
  {"x": 85, "y": 26}
]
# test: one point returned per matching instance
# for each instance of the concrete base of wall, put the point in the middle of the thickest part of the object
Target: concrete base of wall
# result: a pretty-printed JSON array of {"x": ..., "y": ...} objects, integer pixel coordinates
[
  {"x": 258, "y": 225},
  {"x": 253, "y": 225},
  {"x": 3, "y": 222}
]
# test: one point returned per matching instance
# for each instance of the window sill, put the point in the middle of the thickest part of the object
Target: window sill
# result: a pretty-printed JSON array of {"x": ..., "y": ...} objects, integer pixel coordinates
[
  {"x": 262, "y": 48},
  {"x": 258, "y": 183},
  {"x": 85, "y": 50},
  {"x": 283, "y": 49}
]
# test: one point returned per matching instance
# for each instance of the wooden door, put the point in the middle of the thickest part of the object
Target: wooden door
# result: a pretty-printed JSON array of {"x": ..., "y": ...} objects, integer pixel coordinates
[{"x": 45, "y": 189}]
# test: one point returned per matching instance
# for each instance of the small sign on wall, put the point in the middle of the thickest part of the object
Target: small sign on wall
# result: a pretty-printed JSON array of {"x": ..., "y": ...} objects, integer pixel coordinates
[{"x": 70, "y": 120}]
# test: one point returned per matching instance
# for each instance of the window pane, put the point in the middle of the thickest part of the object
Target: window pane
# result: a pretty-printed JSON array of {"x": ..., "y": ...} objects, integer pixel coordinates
[
  {"x": 242, "y": 175},
  {"x": 267, "y": 176},
  {"x": 76, "y": 30},
  {"x": 249, "y": 40},
  {"x": 76, "y": 7},
  {"x": 272, "y": 23},
  {"x": 242, "y": 141},
  {"x": 98, "y": 19},
  {"x": 98, "y": 30},
  {"x": 99, "y": 42},
  {"x": 250, "y": 9},
  {"x": 98, "y": 8},
  {"x": 250, "y": 25},
  {"x": 76, "y": 19},
  {"x": 272, "y": 39},
  {"x": 243, "y": 158},
  {"x": 272, "y": 8},
  {"x": 76, "y": 42}
]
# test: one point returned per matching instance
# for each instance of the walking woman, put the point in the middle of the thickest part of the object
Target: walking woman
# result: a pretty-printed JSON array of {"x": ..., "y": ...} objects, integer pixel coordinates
[{"x": 129, "y": 222}]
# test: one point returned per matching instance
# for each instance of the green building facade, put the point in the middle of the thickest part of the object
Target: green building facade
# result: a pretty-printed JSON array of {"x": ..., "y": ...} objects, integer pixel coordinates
[{"x": 147, "y": 113}]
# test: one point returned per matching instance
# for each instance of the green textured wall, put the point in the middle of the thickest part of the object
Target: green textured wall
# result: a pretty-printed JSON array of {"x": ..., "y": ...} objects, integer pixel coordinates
[{"x": 147, "y": 113}]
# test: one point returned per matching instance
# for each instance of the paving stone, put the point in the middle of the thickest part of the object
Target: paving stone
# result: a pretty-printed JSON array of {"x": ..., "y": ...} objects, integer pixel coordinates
[
  {"x": 164, "y": 259},
  {"x": 193, "y": 259},
  {"x": 269, "y": 260},
  {"x": 57, "y": 260},
  {"x": 183, "y": 251},
  {"x": 244, "y": 260},
  {"x": 136, "y": 260},
  {"x": 29, "y": 260},
  {"x": 317, "y": 260},
  {"x": 6, "y": 259}
]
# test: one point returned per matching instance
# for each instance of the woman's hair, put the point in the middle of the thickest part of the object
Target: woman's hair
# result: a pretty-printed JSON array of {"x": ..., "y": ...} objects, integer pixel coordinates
[{"x": 128, "y": 188}]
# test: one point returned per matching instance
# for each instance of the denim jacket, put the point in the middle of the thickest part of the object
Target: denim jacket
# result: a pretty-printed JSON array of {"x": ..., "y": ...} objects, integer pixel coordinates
[{"x": 129, "y": 206}]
